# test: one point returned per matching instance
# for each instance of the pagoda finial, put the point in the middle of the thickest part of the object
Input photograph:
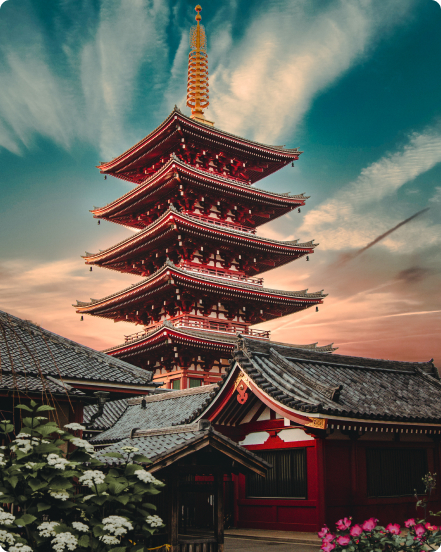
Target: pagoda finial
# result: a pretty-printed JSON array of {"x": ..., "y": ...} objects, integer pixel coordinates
[{"x": 197, "y": 84}]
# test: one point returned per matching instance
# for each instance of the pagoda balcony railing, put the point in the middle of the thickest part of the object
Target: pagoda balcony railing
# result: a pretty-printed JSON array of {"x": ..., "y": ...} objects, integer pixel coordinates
[
  {"x": 214, "y": 325},
  {"x": 222, "y": 223},
  {"x": 221, "y": 274}
]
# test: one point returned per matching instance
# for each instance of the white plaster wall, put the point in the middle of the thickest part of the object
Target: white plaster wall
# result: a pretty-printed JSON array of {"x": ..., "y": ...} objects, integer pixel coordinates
[
  {"x": 294, "y": 434},
  {"x": 257, "y": 438}
]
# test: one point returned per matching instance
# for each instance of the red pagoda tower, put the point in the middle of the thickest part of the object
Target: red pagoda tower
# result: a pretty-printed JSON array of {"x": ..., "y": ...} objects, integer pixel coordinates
[{"x": 197, "y": 250}]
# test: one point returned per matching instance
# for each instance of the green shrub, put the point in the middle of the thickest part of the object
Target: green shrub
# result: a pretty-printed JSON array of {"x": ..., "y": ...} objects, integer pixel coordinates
[{"x": 61, "y": 497}]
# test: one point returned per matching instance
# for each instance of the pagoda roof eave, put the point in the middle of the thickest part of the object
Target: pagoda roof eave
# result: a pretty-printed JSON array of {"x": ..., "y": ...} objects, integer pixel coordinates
[
  {"x": 166, "y": 330},
  {"x": 169, "y": 270},
  {"x": 131, "y": 155},
  {"x": 173, "y": 215},
  {"x": 176, "y": 164}
]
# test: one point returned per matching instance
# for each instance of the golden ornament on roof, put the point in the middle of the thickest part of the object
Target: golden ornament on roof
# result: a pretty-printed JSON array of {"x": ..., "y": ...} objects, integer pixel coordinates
[{"x": 197, "y": 84}]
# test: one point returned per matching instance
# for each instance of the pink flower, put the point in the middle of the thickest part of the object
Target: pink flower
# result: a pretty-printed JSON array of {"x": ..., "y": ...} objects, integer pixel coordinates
[
  {"x": 369, "y": 524},
  {"x": 329, "y": 537},
  {"x": 343, "y": 540},
  {"x": 393, "y": 528},
  {"x": 430, "y": 527},
  {"x": 328, "y": 546},
  {"x": 343, "y": 524},
  {"x": 324, "y": 531},
  {"x": 356, "y": 530},
  {"x": 419, "y": 530},
  {"x": 409, "y": 523}
]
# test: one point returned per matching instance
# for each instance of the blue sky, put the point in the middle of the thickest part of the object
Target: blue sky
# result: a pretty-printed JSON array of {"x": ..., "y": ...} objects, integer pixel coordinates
[{"x": 356, "y": 84}]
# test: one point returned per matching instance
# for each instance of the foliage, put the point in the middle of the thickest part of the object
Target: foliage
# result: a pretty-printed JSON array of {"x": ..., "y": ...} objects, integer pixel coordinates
[
  {"x": 370, "y": 537},
  {"x": 61, "y": 497},
  {"x": 429, "y": 481}
]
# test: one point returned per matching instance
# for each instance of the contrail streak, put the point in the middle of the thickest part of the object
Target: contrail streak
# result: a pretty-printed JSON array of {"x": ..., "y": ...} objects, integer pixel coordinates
[{"x": 349, "y": 256}]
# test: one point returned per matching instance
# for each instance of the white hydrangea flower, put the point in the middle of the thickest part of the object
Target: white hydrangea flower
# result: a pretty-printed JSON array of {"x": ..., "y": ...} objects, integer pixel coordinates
[
  {"x": 154, "y": 521},
  {"x": 109, "y": 539},
  {"x": 46, "y": 529},
  {"x": 81, "y": 443},
  {"x": 147, "y": 477},
  {"x": 117, "y": 525},
  {"x": 80, "y": 526},
  {"x": 92, "y": 477},
  {"x": 6, "y": 537},
  {"x": 2, "y": 460},
  {"x": 30, "y": 465},
  {"x": 58, "y": 462},
  {"x": 130, "y": 449},
  {"x": 64, "y": 540},
  {"x": 6, "y": 518},
  {"x": 75, "y": 427},
  {"x": 20, "y": 547},
  {"x": 61, "y": 495}
]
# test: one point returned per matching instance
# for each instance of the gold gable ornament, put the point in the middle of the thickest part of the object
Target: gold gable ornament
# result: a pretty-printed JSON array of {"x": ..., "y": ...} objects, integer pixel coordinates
[{"x": 317, "y": 423}]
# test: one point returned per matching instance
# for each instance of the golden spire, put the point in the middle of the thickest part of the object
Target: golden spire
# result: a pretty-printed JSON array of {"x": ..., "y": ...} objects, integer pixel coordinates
[{"x": 197, "y": 84}]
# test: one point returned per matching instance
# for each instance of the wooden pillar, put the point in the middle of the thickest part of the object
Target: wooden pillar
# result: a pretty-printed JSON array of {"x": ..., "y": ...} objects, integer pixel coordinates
[
  {"x": 219, "y": 510},
  {"x": 321, "y": 481},
  {"x": 173, "y": 512}
]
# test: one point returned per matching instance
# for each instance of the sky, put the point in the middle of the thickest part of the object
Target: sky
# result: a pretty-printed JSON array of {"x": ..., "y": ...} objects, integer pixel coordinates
[{"x": 355, "y": 84}]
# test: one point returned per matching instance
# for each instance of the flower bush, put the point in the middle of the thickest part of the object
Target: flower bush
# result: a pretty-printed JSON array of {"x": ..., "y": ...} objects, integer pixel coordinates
[
  {"x": 43, "y": 471},
  {"x": 369, "y": 537}
]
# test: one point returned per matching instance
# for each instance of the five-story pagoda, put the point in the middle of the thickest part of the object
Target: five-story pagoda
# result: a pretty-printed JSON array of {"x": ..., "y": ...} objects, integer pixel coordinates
[{"x": 196, "y": 211}]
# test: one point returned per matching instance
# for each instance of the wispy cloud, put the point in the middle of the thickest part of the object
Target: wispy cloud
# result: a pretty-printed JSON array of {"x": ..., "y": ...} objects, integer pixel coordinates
[
  {"x": 267, "y": 81},
  {"x": 356, "y": 213}
]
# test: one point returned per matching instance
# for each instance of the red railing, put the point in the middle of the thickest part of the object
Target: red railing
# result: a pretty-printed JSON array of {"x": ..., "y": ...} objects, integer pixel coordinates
[
  {"x": 222, "y": 274},
  {"x": 218, "y": 222},
  {"x": 202, "y": 324}
]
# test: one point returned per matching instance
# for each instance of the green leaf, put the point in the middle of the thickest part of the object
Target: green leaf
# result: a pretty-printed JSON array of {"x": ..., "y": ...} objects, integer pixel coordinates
[
  {"x": 59, "y": 483},
  {"x": 83, "y": 541},
  {"x": 45, "y": 407},
  {"x": 36, "y": 485},
  {"x": 132, "y": 468},
  {"x": 13, "y": 481},
  {"x": 113, "y": 455},
  {"x": 6, "y": 428},
  {"x": 115, "y": 487},
  {"x": 100, "y": 499},
  {"x": 118, "y": 549},
  {"x": 31, "y": 422},
  {"x": 46, "y": 448},
  {"x": 24, "y": 407},
  {"x": 33, "y": 404},
  {"x": 46, "y": 429},
  {"x": 123, "y": 499},
  {"x": 149, "y": 506},
  {"x": 66, "y": 504},
  {"x": 98, "y": 531},
  {"x": 141, "y": 458},
  {"x": 25, "y": 520},
  {"x": 41, "y": 506}
]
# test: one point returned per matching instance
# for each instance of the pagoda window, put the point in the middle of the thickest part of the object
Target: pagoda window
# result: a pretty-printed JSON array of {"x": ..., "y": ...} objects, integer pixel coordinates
[
  {"x": 195, "y": 382},
  {"x": 176, "y": 384},
  {"x": 286, "y": 479},
  {"x": 395, "y": 471}
]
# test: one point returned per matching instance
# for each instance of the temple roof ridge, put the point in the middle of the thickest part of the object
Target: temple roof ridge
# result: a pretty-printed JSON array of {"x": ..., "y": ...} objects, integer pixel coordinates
[
  {"x": 202, "y": 222},
  {"x": 206, "y": 174},
  {"x": 204, "y": 129},
  {"x": 213, "y": 279}
]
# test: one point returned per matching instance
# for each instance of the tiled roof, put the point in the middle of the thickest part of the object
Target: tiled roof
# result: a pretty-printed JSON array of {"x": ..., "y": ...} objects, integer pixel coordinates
[
  {"x": 343, "y": 386},
  {"x": 160, "y": 411},
  {"x": 30, "y": 351},
  {"x": 113, "y": 410},
  {"x": 157, "y": 444},
  {"x": 35, "y": 384},
  {"x": 150, "y": 446}
]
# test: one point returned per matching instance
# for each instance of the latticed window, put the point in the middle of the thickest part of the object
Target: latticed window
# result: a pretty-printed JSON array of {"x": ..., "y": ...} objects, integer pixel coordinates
[
  {"x": 395, "y": 471},
  {"x": 176, "y": 384},
  {"x": 286, "y": 479},
  {"x": 195, "y": 382}
]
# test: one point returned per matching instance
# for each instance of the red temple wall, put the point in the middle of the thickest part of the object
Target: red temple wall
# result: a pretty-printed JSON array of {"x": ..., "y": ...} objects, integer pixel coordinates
[{"x": 337, "y": 487}]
